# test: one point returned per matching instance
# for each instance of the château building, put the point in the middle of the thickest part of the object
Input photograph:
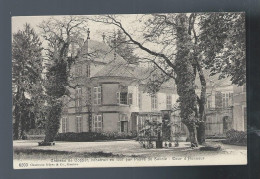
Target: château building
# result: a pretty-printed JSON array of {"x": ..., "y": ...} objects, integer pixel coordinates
[{"x": 110, "y": 95}]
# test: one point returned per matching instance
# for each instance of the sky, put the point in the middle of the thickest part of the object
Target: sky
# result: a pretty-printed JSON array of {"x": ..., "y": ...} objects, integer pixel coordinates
[
  {"x": 130, "y": 22},
  {"x": 133, "y": 23}
]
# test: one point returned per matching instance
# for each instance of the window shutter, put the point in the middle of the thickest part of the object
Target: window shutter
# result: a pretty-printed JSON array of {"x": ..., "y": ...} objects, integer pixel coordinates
[
  {"x": 118, "y": 97},
  {"x": 62, "y": 129},
  {"x": 81, "y": 126},
  {"x": 118, "y": 124},
  {"x": 93, "y": 123},
  {"x": 99, "y": 95},
  {"x": 76, "y": 124},
  {"x": 218, "y": 99},
  {"x": 140, "y": 100},
  {"x": 130, "y": 98},
  {"x": 67, "y": 125},
  {"x": 102, "y": 123}
]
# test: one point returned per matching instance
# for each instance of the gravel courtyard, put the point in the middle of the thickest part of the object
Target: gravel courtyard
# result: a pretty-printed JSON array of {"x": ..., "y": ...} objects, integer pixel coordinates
[{"x": 30, "y": 150}]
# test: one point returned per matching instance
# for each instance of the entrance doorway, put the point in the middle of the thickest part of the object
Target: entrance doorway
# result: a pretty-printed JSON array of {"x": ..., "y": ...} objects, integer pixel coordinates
[
  {"x": 226, "y": 124},
  {"x": 124, "y": 126}
]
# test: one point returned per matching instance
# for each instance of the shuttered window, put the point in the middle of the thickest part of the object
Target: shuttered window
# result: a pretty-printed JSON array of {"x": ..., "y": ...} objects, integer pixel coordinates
[
  {"x": 122, "y": 98},
  {"x": 97, "y": 95},
  {"x": 79, "y": 126},
  {"x": 65, "y": 124},
  {"x": 97, "y": 123},
  {"x": 154, "y": 102}
]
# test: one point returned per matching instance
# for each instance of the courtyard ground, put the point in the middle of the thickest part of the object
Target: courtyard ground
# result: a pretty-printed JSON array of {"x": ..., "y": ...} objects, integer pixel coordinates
[{"x": 29, "y": 150}]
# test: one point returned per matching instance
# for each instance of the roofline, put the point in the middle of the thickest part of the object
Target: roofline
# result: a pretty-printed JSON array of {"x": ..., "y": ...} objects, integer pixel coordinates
[{"x": 113, "y": 77}]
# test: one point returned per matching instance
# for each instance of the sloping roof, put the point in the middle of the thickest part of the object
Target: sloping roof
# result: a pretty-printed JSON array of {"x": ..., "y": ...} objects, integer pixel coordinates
[
  {"x": 120, "y": 68},
  {"x": 116, "y": 66}
]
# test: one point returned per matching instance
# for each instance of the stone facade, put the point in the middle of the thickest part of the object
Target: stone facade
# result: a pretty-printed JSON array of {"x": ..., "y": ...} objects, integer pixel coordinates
[{"x": 111, "y": 96}]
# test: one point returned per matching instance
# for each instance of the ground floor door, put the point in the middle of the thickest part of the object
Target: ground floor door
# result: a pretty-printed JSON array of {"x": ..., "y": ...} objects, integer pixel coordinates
[
  {"x": 124, "y": 126},
  {"x": 226, "y": 124}
]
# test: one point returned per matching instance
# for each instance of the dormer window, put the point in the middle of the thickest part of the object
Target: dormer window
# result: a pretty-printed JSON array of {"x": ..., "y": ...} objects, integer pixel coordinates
[
  {"x": 78, "y": 70},
  {"x": 78, "y": 92}
]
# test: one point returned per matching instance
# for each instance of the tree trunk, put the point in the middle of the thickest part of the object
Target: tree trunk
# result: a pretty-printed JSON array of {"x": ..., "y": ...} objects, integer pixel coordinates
[
  {"x": 16, "y": 124},
  {"x": 201, "y": 102},
  {"x": 193, "y": 136},
  {"x": 53, "y": 122},
  {"x": 201, "y": 133},
  {"x": 18, "y": 114}
]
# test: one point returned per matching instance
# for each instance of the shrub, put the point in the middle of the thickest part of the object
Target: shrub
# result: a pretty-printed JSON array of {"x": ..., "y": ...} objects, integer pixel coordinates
[
  {"x": 93, "y": 136},
  {"x": 236, "y": 137}
]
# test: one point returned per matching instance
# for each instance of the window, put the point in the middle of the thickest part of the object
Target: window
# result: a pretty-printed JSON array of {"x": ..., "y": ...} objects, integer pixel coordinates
[
  {"x": 154, "y": 102},
  {"x": 227, "y": 99},
  {"x": 130, "y": 98},
  {"x": 209, "y": 102},
  {"x": 97, "y": 95},
  {"x": 79, "y": 127},
  {"x": 121, "y": 97},
  {"x": 78, "y": 70},
  {"x": 65, "y": 101},
  {"x": 123, "y": 123},
  {"x": 88, "y": 70},
  {"x": 140, "y": 123},
  {"x": 140, "y": 100},
  {"x": 78, "y": 103},
  {"x": 97, "y": 123},
  {"x": 65, "y": 125},
  {"x": 168, "y": 102},
  {"x": 208, "y": 123},
  {"x": 78, "y": 92}
]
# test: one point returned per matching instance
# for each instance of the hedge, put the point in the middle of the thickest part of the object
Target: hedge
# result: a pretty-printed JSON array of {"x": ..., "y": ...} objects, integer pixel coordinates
[
  {"x": 92, "y": 136},
  {"x": 236, "y": 137}
]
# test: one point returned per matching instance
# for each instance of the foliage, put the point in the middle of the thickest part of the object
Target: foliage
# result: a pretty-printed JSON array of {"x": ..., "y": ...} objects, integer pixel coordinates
[
  {"x": 222, "y": 42},
  {"x": 27, "y": 89},
  {"x": 93, "y": 136},
  {"x": 151, "y": 132},
  {"x": 187, "y": 44},
  {"x": 166, "y": 128},
  {"x": 122, "y": 47},
  {"x": 236, "y": 137},
  {"x": 60, "y": 35}
]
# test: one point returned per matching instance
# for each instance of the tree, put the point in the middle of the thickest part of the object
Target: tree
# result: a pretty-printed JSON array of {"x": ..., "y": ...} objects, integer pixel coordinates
[
  {"x": 223, "y": 39},
  {"x": 118, "y": 42},
  {"x": 188, "y": 43},
  {"x": 26, "y": 79},
  {"x": 60, "y": 34}
]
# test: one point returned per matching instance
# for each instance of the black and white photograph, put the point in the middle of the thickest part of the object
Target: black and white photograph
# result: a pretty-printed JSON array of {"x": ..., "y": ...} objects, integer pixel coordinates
[{"x": 129, "y": 90}]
